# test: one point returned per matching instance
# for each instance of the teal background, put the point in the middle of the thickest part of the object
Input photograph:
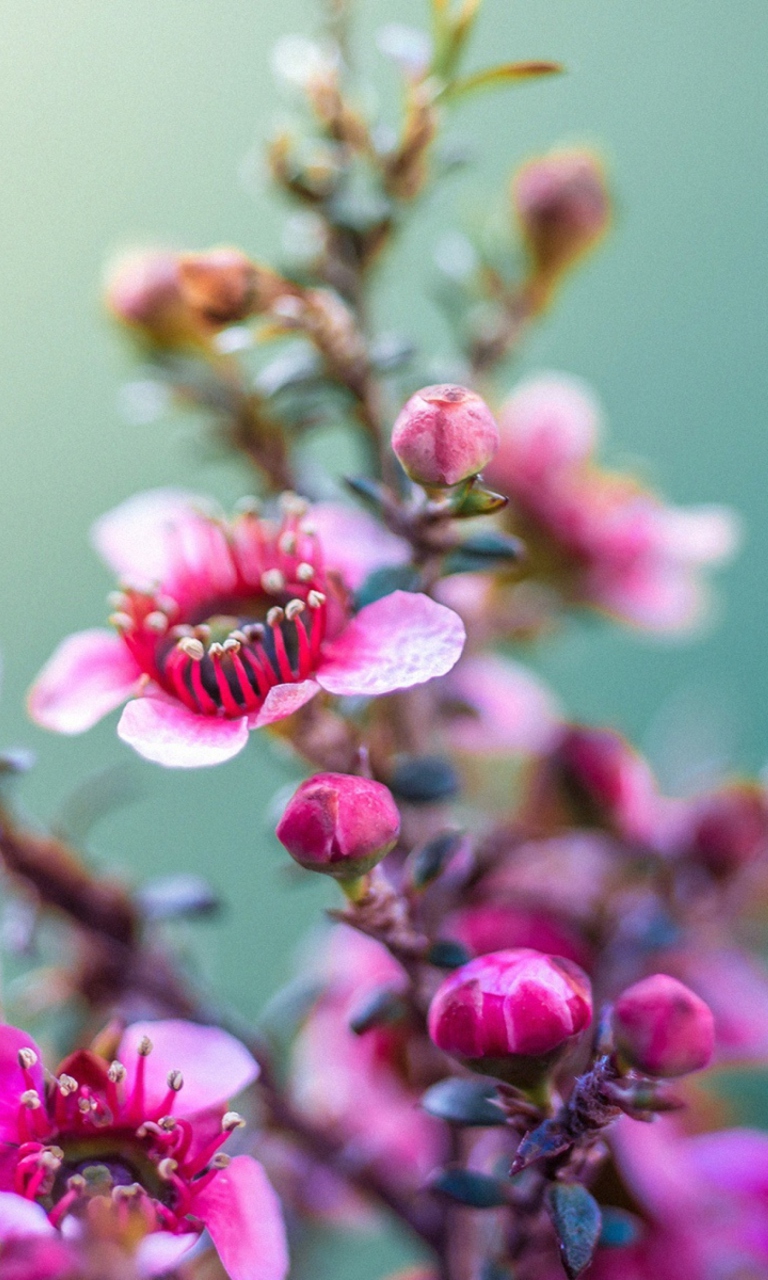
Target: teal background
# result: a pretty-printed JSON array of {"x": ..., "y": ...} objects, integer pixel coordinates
[{"x": 131, "y": 121}]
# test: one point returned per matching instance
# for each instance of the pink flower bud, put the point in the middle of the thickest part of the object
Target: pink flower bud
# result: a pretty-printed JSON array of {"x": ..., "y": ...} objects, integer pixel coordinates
[
  {"x": 662, "y": 1028},
  {"x": 339, "y": 824},
  {"x": 509, "y": 1007},
  {"x": 221, "y": 285},
  {"x": 728, "y": 829},
  {"x": 605, "y": 783},
  {"x": 443, "y": 435},
  {"x": 563, "y": 206},
  {"x": 143, "y": 290}
]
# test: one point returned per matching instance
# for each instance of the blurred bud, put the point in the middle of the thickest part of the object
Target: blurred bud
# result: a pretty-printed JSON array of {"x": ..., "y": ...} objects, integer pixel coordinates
[
  {"x": 728, "y": 829},
  {"x": 563, "y": 206},
  {"x": 605, "y": 783},
  {"x": 143, "y": 290},
  {"x": 339, "y": 824},
  {"x": 443, "y": 435},
  {"x": 219, "y": 285},
  {"x": 510, "y": 1013},
  {"x": 662, "y": 1028}
]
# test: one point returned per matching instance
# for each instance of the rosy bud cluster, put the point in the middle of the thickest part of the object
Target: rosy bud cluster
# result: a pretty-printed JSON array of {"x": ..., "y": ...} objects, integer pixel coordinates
[
  {"x": 443, "y": 435},
  {"x": 563, "y": 206},
  {"x": 339, "y": 824}
]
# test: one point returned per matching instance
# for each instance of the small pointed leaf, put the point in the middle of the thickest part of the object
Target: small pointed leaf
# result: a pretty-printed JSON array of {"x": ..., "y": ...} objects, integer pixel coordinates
[
  {"x": 384, "y": 1006},
  {"x": 488, "y": 550},
  {"x": 447, "y": 954},
  {"x": 423, "y": 779},
  {"x": 506, "y": 73},
  {"x": 476, "y": 1190},
  {"x": 382, "y": 582},
  {"x": 548, "y": 1139},
  {"x": 578, "y": 1222},
  {"x": 465, "y": 1102},
  {"x": 429, "y": 861}
]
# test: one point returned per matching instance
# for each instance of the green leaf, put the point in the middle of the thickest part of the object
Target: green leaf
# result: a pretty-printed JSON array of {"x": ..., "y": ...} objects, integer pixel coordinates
[
  {"x": 382, "y": 582},
  {"x": 578, "y": 1222},
  {"x": 506, "y": 73},
  {"x": 466, "y": 1102},
  {"x": 384, "y": 1006},
  {"x": 447, "y": 954},
  {"x": 369, "y": 491},
  {"x": 428, "y": 862},
  {"x": 619, "y": 1229},
  {"x": 548, "y": 1139},
  {"x": 476, "y": 1190},
  {"x": 484, "y": 551},
  {"x": 424, "y": 779}
]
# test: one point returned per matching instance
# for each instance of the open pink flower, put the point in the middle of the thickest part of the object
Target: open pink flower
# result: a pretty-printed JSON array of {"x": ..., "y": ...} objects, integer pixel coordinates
[
  {"x": 132, "y": 1150},
  {"x": 599, "y": 537},
  {"x": 225, "y": 626}
]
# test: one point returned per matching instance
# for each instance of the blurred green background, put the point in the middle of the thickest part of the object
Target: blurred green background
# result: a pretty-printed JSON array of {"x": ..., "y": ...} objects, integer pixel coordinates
[{"x": 136, "y": 121}]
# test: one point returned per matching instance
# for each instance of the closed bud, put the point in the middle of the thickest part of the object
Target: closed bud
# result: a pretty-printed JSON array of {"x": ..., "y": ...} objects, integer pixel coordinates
[
  {"x": 511, "y": 1013},
  {"x": 443, "y": 435},
  {"x": 340, "y": 824},
  {"x": 728, "y": 829},
  {"x": 143, "y": 291},
  {"x": 563, "y": 206},
  {"x": 220, "y": 285},
  {"x": 662, "y": 1029}
]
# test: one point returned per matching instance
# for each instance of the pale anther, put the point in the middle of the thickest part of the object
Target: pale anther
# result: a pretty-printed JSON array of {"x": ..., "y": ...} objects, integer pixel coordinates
[
  {"x": 27, "y": 1059},
  {"x": 315, "y": 599},
  {"x": 175, "y": 1080},
  {"x": 144, "y": 1047},
  {"x": 305, "y": 572},
  {"x": 248, "y": 506},
  {"x": 273, "y": 581},
  {"x": 168, "y": 605},
  {"x": 254, "y": 632},
  {"x": 76, "y": 1183},
  {"x": 117, "y": 600},
  {"x": 31, "y": 1099},
  {"x": 122, "y": 621},
  {"x": 275, "y": 616},
  {"x": 238, "y": 635},
  {"x": 156, "y": 621},
  {"x": 167, "y": 1124},
  {"x": 67, "y": 1085},
  {"x": 116, "y": 1072},
  {"x": 231, "y": 1120},
  {"x": 288, "y": 542},
  {"x": 231, "y": 645},
  {"x": 293, "y": 609},
  {"x": 221, "y": 1160},
  {"x": 167, "y": 1168},
  {"x": 194, "y": 649},
  {"x": 177, "y": 633},
  {"x": 215, "y": 650},
  {"x": 292, "y": 504}
]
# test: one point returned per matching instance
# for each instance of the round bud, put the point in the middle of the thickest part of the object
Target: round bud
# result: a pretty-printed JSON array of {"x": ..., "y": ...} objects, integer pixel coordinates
[
  {"x": 728, "y": 829},
  {"x": 143, "y": 290},
  {"x": 662, "y": 1029},
  {"x": 340, "y": 824},
  {"x": 444, "y": 434},
  {"x": 511, "y": 1013},
  {"x": 563, "y": 206},
  {"x": 220, "y": 285}
]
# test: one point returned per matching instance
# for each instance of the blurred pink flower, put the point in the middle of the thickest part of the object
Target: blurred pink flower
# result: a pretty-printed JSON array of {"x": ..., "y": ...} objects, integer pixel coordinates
[
  {"x": 133, "y": 1149},
  {"x": 704, "y": 1201},
  {"x": 362, "y": 1087},
  {"x": 496, "y": 926},
  {"x": 491, "y": 704},
  {"x": 601, "y": 538},
  {"x": 227, "y": 626}
]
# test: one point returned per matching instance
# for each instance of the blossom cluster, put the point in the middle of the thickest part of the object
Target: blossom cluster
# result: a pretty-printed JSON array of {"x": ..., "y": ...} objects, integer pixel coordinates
[{"x": 509, "y": 1035}]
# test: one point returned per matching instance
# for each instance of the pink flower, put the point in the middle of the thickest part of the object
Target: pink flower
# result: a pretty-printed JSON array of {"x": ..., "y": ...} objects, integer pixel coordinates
[
  {"x": 495, "y": 926},
  {"x": 443, "y": 435},
  {"x": 491, "y": 704},
  {"x": 365, "y": 1088},
  {"x": 225, "y": 626},
  {"x": 132, "y": 1150},
  {"x": 662, "y": 1028},
  {"x": 599, "y": 538},
  {"x": 507, "y": 1004},
  {"x": 339, "y": 824}
]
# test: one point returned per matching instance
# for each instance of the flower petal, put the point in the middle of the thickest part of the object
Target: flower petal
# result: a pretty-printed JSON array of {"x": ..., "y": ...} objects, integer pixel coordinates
[
  {"x": 13, "y": 1081},
  {"x": 89, "y": 675},
  {"x": 20, "y": 1217},
  {"x": 167, "y": 733},
  {"x": 215, "y": 1065},
  {"x": 550, "y": 421},
  {"x": 398, "y": 641},
  {"x": 245, "y": 1222},
  {"x": 165, "y": 536},
  {"x": 508, "y": 708},
  {"x": 161, "y": 1251},
  {"x": 282, "y": 701},
  {"x": 354, "y": 543}
]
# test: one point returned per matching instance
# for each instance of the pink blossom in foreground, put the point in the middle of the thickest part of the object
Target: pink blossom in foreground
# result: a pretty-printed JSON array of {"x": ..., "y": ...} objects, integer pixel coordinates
[
  {"x": 662, "y": 1028},
  {"x": 600, "y": 538},
  {"x": 704, "y": 1201},
  {"x": 367, "y": 1087},
  {"x": 510, "y": 1003},
  {"x": 339, "y": 824},
  {"x": 226, "y": 626},
  {"x": 133, "y": 1149},
  {"x": 443, "y": 435}
]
